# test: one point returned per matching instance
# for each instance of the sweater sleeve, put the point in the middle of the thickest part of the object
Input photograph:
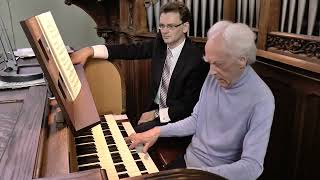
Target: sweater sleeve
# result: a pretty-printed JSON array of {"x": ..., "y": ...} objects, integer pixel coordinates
[
  {"x": 255, "y": 143},
  {"x": 181, "y": 128}
]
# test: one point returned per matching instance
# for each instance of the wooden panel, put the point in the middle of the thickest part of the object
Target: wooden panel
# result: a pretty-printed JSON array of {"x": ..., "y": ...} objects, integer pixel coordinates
[
  {"x": 95, "y": 174},
  {"x": 293, "y": 147},
  {"x": 10, "y": 107},
  {"x": 55, "y": 156},
  {"x": 229, "y": 10},
  {"x": 18, "y": 159},
  {"x": 269, "y": 20}
]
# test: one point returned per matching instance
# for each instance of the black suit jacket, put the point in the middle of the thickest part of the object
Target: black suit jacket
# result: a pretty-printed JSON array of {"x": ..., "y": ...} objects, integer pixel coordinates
[{"x": 186, "y": 80}]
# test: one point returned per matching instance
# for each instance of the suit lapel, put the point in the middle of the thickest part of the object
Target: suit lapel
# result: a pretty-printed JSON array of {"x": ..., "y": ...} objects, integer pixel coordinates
[
  {"x": 159, "y": 66},
  {"x": 180, "y": 63}
]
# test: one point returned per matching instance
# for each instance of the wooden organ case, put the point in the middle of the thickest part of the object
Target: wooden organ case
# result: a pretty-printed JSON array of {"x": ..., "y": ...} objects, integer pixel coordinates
[{"x": 288, "y": 60}]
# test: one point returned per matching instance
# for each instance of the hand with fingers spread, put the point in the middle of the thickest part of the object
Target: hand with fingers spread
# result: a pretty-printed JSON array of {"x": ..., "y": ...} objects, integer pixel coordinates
[
  {"x": 147, "y": 139},
  {"x": 81, "y": 56}
]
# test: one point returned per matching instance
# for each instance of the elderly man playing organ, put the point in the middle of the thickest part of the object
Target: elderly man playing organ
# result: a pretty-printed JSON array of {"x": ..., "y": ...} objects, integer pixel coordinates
[{"x": 232, "y": 120}]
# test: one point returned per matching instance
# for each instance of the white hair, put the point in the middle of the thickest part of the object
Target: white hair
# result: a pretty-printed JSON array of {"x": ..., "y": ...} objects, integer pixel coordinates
[
  {"x": 217, "y": 28},
  {"x": 238, "y": 39}
]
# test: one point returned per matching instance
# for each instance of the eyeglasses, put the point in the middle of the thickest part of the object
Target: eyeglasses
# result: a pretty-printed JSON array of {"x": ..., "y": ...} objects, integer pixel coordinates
[{"x": 169, "y": 26}]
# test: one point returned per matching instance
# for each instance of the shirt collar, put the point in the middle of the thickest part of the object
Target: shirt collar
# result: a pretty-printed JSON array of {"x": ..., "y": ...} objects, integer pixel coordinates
[{"x": 177, "y": 50}]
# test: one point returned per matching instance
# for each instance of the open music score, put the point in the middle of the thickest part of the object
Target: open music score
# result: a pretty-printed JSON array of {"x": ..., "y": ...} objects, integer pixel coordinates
[
  {"x": 104, "y": 147},
  {"x": 59, "y": 54}
]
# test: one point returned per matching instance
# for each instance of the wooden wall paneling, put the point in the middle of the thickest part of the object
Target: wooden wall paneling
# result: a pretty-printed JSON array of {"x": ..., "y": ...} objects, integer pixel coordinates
[
  {"x": 124, "y": 15},
  {"x": 307, "y": 165},
  {"x": 139, "y": 17},
  {"x": 269, "y": 20},
  {"x": 229, "y": 10},
  {"x": 293, "y": 130},
  {"x": 277, "y": 160}
]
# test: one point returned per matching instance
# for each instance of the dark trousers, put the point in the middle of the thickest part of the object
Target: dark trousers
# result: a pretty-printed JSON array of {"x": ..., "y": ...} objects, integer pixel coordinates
[{"x": 179, "y": 162}]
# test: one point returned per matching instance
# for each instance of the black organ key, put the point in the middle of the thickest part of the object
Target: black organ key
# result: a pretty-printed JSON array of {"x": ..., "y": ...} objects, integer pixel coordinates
[
  {"x": 110, "y": 140},
  {"x": 121, "y": 127},
  {"x": 88, "y": 159},
  {"x": 85, "y": 133},
  {"x": 120, "y": 168},
  {"x": 113, "y": 148},
  {"x": 104, "y": 126},
  {"x": 86, "y": 149},
  {"x": 125, "y": 175},
  {"x": 114, "y": 155},
  {"x": 106, "y": 132},
  {"x": 119, "y": 123},
  {"x": 116, "y": 159},
  {"x": 86, "y": 139},
  {"x": 124, "y": 134},
  {"x": 141, "y": 166},
  {"x": 135, "y": 156},
  {"x": 94, "y": 166}
]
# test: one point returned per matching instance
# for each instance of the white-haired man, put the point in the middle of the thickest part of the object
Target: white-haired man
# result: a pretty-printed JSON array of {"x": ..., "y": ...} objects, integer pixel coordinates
[{"x": 231, "y": 122}]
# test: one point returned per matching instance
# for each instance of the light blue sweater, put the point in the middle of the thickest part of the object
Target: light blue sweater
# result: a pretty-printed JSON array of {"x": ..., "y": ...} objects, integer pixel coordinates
[{"x": 230, "y": 127}]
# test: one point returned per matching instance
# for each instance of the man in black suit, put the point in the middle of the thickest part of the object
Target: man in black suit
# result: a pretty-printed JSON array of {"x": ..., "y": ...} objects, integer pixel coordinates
[{"x": 177, "y": 68}]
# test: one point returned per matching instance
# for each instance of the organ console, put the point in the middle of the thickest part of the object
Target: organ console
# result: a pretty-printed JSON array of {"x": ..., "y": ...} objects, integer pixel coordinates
[
  {"x": 104, "y": 147},
  {"x": 32, "y": 145}
]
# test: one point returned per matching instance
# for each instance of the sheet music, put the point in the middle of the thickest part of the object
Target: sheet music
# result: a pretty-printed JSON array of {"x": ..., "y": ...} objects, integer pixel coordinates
[{"x": 60, "y": 54}]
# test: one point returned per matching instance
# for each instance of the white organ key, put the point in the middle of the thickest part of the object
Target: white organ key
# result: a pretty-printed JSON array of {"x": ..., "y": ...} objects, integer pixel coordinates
[
  {"x": 103, "y": 152},
  {"x": 128, "y": 161},
  {"x": 145, "y": 158}
]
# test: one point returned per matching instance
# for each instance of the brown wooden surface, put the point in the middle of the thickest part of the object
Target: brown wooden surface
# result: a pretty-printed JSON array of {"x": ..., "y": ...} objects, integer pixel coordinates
[
  {"x": 293, "y": 147},
  {"x": 94, "y": 174},
  {"x": 22, "y": 120},
  {"x": 307, "y": 65},
  {"x": 229, "y": 12},
  {"x": 80, "y": 113},
  {"x": 55, "y": 159}
]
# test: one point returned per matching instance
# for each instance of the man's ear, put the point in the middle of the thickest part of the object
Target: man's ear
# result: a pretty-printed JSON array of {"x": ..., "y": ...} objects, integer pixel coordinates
[
  {"x": 186, "y": 26},
  {"x": 243, "y": 62}
]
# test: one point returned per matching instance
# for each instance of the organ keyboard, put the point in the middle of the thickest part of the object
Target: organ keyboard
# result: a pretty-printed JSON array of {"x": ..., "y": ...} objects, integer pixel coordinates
[{"x": 104, "y": 147}]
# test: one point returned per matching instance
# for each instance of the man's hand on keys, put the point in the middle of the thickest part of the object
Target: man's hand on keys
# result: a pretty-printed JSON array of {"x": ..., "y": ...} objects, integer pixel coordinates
[{"x": 147, "y": 139}]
